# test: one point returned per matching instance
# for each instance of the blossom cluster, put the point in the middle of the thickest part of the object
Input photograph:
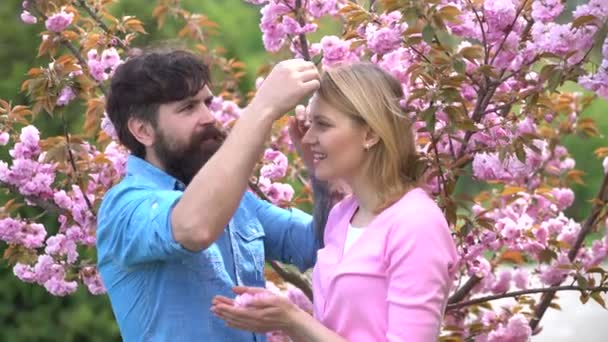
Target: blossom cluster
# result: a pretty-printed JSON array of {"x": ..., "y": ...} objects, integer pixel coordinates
[
  {"x": 488, "y": 99},
  {"x": 102, "y": 66},
  {"x": 286, "y": 290},
  {"x": 32, "y": 176}
]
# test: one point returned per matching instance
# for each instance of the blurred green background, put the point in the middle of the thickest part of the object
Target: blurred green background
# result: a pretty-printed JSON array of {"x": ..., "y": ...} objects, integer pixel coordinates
[{"x": 28, "y": 312}]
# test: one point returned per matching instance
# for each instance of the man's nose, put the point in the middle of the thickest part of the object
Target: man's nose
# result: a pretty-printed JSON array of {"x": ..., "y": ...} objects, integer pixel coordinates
[{"x": 206, "y": 117}]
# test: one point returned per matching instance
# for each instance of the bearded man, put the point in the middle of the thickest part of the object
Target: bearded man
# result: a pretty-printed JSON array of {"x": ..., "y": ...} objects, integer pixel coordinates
[{"x": 180, "y": 227}]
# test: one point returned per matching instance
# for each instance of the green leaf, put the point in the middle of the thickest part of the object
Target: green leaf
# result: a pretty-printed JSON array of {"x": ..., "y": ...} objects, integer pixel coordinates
[
  {"x": 428, "y": 34},
  {"x": 547, "y": 255},
  {"x": 450, "y": 94},
  {"x": 597, "y": 296},
  {"x": 547, "y": 71},
  {"x": 520, "y": 152},
  {"x": 555, "y": 79},
  {"x": 429, "y": 117},
  {"x": 582, "y": 281},
  {"x": 458, "y": 65}
]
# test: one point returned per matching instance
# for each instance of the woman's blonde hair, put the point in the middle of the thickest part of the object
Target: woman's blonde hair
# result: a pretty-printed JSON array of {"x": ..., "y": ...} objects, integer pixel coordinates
[{"x": 370, "y": 96}]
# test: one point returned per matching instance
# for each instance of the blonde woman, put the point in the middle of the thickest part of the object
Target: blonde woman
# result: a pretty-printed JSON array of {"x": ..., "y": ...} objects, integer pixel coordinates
[{"x": 385, "y": 270}]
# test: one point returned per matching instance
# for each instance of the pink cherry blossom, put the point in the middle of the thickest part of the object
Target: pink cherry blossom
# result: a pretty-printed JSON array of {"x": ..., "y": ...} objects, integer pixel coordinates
[
  {"x": 546, "y": 10},
  {"x": 28, "y": 18},
  {"x": 4, "y": 138},
  {"x": 59, "y": 21},
  {"x": 66, "y": 95}
]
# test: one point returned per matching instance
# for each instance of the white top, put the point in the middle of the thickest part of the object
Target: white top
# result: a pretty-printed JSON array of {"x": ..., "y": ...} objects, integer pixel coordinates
[{"x": 352, "y": 235}]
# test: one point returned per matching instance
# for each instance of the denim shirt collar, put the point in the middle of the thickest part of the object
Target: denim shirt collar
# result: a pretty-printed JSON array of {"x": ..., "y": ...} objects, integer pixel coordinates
[{"x": 147, "y": 172}]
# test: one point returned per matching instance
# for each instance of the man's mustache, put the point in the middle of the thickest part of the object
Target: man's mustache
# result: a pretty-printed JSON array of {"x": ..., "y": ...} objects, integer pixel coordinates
[{"x": 211, "y": 132}]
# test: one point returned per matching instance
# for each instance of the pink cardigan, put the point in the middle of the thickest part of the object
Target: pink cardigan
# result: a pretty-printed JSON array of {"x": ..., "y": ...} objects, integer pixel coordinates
[{"x": 393, "y": 283}]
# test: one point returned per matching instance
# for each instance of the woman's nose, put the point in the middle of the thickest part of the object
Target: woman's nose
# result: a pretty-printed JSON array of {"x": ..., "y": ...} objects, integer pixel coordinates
[{"x": 308, "y": 137}]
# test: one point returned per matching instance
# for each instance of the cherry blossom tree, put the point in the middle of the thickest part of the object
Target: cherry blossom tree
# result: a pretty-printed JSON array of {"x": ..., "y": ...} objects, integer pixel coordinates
[{"x": 483, "y": 82}]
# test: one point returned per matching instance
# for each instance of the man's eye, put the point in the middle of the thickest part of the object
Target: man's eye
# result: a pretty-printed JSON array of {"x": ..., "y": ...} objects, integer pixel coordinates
[
  {"x": 188, "y": 107},
  {"x": 208, "y": 101}
]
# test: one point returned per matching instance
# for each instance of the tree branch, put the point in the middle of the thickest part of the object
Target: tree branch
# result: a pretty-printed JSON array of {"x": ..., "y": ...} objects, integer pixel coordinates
[
  {"x": 553, "y": 289},
  {"x": 464, "y": 290},
  {"x": 302, "y": 36},
  {"x": 292, "y": 278},
  {"x": 482, "y": 104},
  {"x": 72, "y": 49},
  {"x": 590, "y": 222}
]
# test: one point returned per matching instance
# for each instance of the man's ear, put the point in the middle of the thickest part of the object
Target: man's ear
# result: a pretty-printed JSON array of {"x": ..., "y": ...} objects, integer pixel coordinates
[{"x": 142, "y": 131}]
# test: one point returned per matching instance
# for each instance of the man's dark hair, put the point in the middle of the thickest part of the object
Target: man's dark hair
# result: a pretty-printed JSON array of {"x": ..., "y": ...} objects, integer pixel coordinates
[{"x": 144, "y": 82}]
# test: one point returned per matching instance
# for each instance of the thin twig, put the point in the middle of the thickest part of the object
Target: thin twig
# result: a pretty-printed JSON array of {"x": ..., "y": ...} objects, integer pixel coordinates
[
  {"x": 99, "y": 22},
  {"x": 442, "y": 181},
  {"x": 484, "y": 40},
  {"x": 302, "y": 36},
  {"x": 553, "y": 289},
  {"x": 66, "y": 134},
  {"x": 420, "y": 54},
  {"x": 42, "y": 203},
  {"x": 509, "y": 30},
  {"x": 82, "y": 62}
]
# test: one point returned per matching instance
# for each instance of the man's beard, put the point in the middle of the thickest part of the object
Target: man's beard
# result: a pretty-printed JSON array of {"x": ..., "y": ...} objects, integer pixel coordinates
[{"x": 184, "y": 162}]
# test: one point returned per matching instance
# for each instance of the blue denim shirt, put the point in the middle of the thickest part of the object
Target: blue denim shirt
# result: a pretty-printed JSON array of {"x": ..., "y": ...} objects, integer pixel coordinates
[{"x": 160, "y": 291}]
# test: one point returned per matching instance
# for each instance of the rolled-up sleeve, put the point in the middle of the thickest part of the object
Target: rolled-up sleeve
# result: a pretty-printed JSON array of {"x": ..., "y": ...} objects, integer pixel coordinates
[
  {"x": 290, "y": 235},
  {"x": 135, "y": 227}
]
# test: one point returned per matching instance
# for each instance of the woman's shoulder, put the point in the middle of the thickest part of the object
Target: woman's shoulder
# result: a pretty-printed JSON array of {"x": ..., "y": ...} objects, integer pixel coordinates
[
  {"x": 415, "y": 201},
  {"x": 416, "y": 210}
]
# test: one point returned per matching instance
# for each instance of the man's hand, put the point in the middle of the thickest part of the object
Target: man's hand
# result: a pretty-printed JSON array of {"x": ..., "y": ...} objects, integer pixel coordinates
[{"x": 288, "y": 82}]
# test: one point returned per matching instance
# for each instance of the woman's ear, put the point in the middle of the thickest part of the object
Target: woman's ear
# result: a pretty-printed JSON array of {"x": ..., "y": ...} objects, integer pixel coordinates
[
  {"x": 142, "y": 131},
  {"x": 370, "y": 139}
]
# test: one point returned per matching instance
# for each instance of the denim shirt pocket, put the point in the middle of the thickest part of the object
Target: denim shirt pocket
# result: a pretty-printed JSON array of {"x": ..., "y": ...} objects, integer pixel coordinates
[{"x": 251, "y": 252}]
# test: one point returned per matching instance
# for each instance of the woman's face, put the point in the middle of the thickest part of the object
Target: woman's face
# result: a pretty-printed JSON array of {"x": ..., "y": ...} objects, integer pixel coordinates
[{"x": 337, "y": 142}]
